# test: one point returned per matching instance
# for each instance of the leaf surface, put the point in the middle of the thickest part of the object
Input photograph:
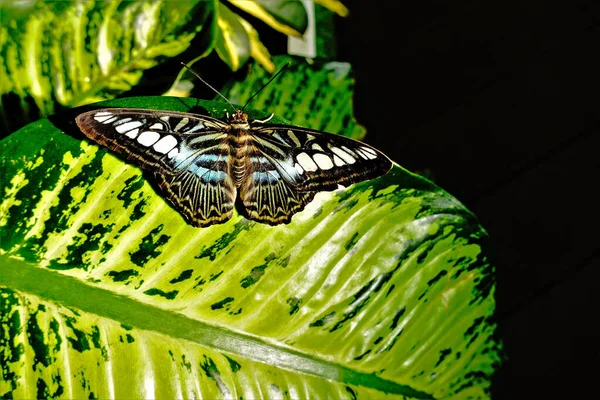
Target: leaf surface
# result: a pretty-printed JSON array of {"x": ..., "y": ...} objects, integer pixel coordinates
[
  {"x": 286, "y": 16},
  {"x": 233, "y": 42},
  {"x": 384, "y": 289},
  {"x": 316, "y": 95},
  {"x": 62, "y": 54}
]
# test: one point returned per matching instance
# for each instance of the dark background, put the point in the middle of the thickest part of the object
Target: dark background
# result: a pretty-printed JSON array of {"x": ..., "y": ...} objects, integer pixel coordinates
[{"x": 500, "y": 104}]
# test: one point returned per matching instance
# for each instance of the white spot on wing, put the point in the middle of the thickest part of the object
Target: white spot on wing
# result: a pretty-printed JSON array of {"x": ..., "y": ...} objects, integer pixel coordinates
[
  {"x": 110, "y": 121},
  {"x": 181, "y": 124},
  {"x": 338, "y": 161},
  {"x": 133, "y": 133},
  {"x": 370, "y": 152},
  {"x": 306, "y": 162},
  {"x": 361, "y": 153},
  {"x": 347, "y": 150},
  {"x": 298, "y": 168},
  {"x": 102, "y": 113},
  {"x": 323, "y": 161},
  {"x": 165, "y": 118},
  {"x": 148, "y": 138},
  {"x": 103, "y": 117},
  {"x": 156, "y": 125},
  {"x": 165, "y": 144},
  {"x": 316, "y": 146},
  {"x": 128, "y": 126},
  {"x": 173, "y": 153},
  {"x": 344, "y": 156},
  {"x": 122, "y": 121}
]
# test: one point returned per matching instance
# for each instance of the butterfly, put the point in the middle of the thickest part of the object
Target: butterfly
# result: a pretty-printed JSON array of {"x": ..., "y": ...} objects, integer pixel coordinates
[{"x": 206, "y": 166}]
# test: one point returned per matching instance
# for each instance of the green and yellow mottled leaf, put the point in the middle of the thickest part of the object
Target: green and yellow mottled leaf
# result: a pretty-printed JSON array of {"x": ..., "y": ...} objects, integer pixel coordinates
[
  {"x": 68, "y": 53},
  {"x": 381, "y": 290},
  {"x": 286, "y": 16},
  {"x": 233, "y": 43},
  {"x": 317, "y": 95},
  {"x": 257, "y": 50},
  {"x": 182, "y": 358}
]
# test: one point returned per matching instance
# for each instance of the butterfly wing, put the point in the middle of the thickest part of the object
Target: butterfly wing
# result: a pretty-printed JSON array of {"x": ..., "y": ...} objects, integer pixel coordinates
[
  {"x": 317, "y": 161},
  {"x": 265, "y": 195},
  {"x": 287, "y": 166},
  {"x": 187, "y": 154}
]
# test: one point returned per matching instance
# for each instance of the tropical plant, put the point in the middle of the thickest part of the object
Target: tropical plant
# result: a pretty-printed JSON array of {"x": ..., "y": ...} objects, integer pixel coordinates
[
  {"x": 61, "y": 54},
  {"x": 382, "y": 290}
]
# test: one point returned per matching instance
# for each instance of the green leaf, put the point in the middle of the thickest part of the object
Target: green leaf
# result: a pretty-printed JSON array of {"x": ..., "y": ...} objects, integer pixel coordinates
[
  {"x": 233, "y": 43},
  {"x": 380, "y": 290},
  {"x": 257, "y": 50},
  {"x": 316, "y": 95},
  {"x": 286, "y": 16},
  {"x": 182, "y": 356},
  {"x": 68, "y": 53}
]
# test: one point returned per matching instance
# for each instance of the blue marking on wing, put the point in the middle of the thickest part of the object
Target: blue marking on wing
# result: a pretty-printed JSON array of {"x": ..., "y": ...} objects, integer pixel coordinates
[
  {"x": 213, "y": 176},
  {"x": 267, "y": 177},
  {"x": 288, "y": 172},
  {"x": 208, "y": 158},
  {"x": 197, "y": 169},
  {"x": 263, "y": 161},
  {"x": 207, "y": 175}
]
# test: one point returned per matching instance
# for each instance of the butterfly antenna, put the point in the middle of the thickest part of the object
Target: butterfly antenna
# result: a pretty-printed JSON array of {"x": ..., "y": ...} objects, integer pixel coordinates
[
  {"x": 266, "y": 84},
  {"x": 207, "y": 84}
]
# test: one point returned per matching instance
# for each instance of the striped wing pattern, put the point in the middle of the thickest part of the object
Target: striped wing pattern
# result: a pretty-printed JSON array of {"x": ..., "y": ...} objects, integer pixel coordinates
[
  {"x": 319, "y": 161},
  {"x": 202, "y": 164},
  {"x": 187, "y": 154},
  {"x": 266, "y": 195}
]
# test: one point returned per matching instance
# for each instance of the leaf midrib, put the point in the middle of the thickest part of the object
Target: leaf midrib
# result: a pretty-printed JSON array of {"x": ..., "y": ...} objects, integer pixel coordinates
[{"x": 71, "y": 292}]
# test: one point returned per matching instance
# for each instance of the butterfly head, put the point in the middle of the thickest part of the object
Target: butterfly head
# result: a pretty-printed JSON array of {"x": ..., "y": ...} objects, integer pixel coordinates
[{"x": 239, "y": 120}]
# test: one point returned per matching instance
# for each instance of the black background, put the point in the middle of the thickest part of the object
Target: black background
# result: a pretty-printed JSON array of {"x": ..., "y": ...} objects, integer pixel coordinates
[{"x": 499, "y": 102}]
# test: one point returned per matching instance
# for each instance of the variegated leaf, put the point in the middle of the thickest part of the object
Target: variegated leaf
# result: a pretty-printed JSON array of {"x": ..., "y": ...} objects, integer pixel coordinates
[
  {"x": 72, "y": 53},
  {"x": 233, "y": 43},
  {"x": 303, "y": 93},
  {"x": 286, "y": 16},
  {"x": 382, "y": 290}
]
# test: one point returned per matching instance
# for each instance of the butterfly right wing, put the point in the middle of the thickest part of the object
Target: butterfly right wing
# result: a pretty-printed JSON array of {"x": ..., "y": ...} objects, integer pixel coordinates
[
  {"x": 188, "y": 155},
  {"x": 267, "y": 197},
  {"x": 315, "y": 161},
  {"x": 288, "y": 165}
]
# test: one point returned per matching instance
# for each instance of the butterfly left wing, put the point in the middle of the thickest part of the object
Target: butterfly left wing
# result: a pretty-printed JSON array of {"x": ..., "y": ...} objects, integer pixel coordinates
[
  {"x": 187, "y": 154},
  {"x": 313, "y": 161}
]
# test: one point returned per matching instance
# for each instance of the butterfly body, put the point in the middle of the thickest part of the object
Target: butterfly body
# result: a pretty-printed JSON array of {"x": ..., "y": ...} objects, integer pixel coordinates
[
  {"x": 241, "y": 143},
  {"x": 204, "y": 165}
]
